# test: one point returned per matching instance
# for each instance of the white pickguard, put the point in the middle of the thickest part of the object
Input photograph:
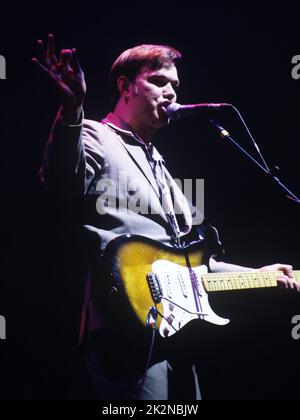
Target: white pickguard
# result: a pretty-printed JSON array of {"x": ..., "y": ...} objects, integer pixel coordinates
[{"x": 180, "y": 300}]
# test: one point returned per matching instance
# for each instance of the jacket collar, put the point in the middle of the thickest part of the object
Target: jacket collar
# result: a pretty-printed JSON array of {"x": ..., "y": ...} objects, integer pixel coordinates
[
  {"x": 139, "y": 151},
  {"x": 121, "y": 127}
]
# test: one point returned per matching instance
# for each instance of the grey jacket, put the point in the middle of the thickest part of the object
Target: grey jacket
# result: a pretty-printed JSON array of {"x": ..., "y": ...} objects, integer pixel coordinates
[{"x": 108, "y": 170}]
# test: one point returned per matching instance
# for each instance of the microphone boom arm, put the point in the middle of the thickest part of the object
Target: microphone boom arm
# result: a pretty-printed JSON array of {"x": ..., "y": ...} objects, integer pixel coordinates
[{"x": 225, "y": 135}]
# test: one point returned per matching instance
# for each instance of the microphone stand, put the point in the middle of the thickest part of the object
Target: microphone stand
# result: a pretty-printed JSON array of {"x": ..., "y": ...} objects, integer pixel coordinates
[{"x": 225, "y": 135}]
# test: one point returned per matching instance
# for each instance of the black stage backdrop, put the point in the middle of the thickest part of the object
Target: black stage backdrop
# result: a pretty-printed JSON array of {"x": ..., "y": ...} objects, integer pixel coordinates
[{"x": 238, "y": 54}]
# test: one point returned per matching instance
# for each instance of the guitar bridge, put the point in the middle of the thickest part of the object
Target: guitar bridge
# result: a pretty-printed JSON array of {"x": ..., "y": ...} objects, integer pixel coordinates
[{"x": 154, "y": 287}]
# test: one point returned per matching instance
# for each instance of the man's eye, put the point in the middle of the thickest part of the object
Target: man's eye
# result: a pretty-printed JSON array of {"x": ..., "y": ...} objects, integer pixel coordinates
[{"x": 159, "y": 82}]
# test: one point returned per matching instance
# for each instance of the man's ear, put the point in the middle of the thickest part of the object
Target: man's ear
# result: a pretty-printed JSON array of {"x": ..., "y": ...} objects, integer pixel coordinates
[{"x": 123, "y": 85}]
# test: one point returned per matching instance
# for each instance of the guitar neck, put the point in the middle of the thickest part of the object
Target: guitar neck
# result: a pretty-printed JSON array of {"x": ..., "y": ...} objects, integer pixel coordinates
[{"x": 217, "y": 282}]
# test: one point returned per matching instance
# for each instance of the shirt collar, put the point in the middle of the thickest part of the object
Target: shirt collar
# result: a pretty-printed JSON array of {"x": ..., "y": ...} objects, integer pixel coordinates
[{"x": 122, "y": 128}]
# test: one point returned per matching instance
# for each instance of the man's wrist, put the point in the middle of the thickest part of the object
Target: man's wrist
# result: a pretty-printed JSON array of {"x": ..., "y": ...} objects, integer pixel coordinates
[{"x": 72, "y": 116}]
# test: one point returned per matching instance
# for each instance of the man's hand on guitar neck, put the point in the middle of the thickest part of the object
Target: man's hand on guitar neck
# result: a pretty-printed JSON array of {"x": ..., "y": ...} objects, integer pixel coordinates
[{"x": 287, "y": 278}]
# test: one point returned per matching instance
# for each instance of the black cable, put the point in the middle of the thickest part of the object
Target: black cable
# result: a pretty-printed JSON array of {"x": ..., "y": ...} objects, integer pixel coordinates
[
  {"x": 252, "y": 138},
  {"x": 141, "y": 384}
]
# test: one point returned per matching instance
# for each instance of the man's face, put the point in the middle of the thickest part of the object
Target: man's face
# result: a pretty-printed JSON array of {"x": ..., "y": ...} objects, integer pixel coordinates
[{"x": 150, "y": 94}]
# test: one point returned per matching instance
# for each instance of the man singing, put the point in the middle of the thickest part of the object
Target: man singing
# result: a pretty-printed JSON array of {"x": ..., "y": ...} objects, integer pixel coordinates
[{"x": 81, "y": 157}]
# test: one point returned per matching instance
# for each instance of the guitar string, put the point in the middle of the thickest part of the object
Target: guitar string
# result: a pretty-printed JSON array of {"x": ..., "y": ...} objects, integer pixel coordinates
[{"x": 184, "y": 309}]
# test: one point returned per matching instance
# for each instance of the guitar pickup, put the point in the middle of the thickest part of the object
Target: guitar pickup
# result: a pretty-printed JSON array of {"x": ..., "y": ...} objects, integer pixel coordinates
[{"x": 154, "y": 287}]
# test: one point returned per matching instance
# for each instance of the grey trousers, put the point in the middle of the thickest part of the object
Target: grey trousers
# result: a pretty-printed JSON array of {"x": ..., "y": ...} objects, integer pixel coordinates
[
  {"x": 116, "y": 365},
  {"x": 164, "y": 382}
]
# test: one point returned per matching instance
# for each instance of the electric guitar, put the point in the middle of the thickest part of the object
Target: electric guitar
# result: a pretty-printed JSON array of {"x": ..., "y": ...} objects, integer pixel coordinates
[{"x": 165, "y": 287}]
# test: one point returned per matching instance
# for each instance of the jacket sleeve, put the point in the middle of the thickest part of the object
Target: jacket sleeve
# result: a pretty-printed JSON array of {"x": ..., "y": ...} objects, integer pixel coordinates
[{"x": 73, "y": 156}]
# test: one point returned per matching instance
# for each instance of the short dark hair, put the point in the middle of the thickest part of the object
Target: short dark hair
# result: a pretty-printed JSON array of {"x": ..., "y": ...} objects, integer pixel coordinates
[{"x": 132, "y": 61}]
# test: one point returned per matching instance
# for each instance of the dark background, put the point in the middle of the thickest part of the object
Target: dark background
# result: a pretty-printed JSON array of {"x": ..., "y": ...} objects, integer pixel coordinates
[{"x": 239, "y": 54}]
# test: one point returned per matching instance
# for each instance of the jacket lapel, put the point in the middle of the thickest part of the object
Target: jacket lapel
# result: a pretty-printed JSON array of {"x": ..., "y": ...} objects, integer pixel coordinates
[{"x": 138, "y": 156}]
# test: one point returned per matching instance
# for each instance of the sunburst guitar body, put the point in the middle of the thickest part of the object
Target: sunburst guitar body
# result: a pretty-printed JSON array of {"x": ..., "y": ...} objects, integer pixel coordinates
[{"x": 166, "y": 287}]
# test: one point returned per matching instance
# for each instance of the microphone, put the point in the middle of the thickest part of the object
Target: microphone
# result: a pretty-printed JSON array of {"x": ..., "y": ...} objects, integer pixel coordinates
[{"x": 176, "y": 111}]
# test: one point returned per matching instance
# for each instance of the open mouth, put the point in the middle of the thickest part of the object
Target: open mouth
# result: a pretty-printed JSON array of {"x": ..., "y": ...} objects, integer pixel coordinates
[
  {"x": 162, "y": 113},
  {"x": 163, "y": 109}
]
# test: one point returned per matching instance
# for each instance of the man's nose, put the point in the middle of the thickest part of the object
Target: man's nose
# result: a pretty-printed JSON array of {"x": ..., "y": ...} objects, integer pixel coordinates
[{"x": 169, "y": 92}]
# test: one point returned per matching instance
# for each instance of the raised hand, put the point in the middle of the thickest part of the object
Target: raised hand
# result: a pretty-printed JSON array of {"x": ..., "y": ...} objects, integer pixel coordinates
[{"x": 65, "y": 75}]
